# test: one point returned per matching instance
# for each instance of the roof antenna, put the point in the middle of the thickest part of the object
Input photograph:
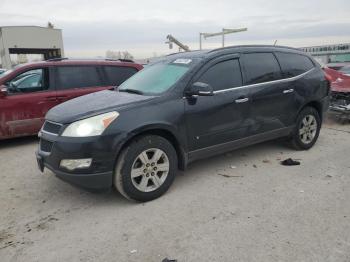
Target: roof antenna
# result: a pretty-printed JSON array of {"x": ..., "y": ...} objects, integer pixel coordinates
[{"x": 275, "y": 42}]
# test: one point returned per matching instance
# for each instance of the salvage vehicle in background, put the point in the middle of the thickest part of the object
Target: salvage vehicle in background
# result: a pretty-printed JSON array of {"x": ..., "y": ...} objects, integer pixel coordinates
[
  {"x": 30, "y": 90},
  {"x": 338, "y": 66},
  {"x": 340, "y": 93},
  {"x": 184, "y": 107},
  {"x": 345, "y": 70}
]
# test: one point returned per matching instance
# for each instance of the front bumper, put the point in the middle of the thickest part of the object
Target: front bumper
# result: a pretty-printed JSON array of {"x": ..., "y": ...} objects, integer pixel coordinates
[
  {"x": 340, "y": 108},
  {"x": 340, "y": 103},
  {"x": 102, "y": 150},
  {"x": 91, "y": 182}
]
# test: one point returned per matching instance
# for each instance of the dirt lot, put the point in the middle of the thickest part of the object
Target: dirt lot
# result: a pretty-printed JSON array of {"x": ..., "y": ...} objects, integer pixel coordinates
[{"x": 241, "y": 206}]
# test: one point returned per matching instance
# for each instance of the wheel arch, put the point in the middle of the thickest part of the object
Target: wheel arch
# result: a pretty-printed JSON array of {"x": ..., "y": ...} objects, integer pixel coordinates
[
  {"x": 162, "y": 131},
  {"x": 315, "y": 104}
]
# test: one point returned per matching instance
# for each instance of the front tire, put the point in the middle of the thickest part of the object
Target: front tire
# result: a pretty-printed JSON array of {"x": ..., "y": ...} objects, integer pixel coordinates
[
  {"x": 146, "y": 168},
  {"x": 307, "y": 129}
]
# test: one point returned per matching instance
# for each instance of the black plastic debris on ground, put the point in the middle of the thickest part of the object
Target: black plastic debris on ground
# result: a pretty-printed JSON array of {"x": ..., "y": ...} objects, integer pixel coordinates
[
  {"x": 169, "y": 260},
  {"x": 290, "y": 162}
]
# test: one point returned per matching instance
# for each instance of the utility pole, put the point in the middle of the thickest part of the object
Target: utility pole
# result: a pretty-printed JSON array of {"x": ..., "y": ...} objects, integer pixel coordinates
[{"x": 224, "y": 32}]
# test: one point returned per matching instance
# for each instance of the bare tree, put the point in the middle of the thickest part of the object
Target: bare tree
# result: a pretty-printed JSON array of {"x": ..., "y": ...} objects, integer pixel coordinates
[
  {"x": 113, "y": 55},
  {"x": 127, "y": 55},
  {"x": 118, "y": 55}
]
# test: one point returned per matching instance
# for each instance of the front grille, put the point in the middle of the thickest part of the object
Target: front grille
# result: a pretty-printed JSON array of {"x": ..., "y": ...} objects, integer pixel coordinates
[
  {"x": 45, "y": 146},
  {"x": 52, "y": 128}
]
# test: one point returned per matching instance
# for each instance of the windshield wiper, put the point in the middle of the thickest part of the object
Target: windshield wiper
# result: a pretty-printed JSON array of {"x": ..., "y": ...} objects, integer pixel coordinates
[{"x": 134, "y": 91}]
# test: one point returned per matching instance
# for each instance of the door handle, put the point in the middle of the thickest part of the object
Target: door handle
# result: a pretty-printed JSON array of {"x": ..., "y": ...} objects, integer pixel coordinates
[
  {"x": 287, "y": 91},
  {"x": 242, "y": 100}
]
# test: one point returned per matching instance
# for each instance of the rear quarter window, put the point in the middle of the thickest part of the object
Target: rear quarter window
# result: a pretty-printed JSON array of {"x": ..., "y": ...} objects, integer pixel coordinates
[
  {"x": 293, "y": 64},
  {"x": 118, "y": 74},
  {"x": 261, "y": 67}
]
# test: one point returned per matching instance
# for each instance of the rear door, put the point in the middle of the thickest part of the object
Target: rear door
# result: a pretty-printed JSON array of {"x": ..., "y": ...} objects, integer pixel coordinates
[
  {"x": 295, "y": 68},
  {"x": 73, "y": 81},
  {"x": 224, "y": 117},
  {"x": 271, "y": 97},
  {"x": 29, "y": 96}
]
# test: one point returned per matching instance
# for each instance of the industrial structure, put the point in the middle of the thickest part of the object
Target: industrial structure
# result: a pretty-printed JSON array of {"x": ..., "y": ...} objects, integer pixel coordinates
[
  {"x": 172, "y": 40},
  {"x": 46, "y": 41},
  {"x": 329, "y": 53},
  {"x": 222, "y": 33}
]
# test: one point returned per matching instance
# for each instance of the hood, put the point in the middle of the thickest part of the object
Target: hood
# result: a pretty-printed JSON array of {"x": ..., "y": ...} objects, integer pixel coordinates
[{"x": 92, "y": 104}]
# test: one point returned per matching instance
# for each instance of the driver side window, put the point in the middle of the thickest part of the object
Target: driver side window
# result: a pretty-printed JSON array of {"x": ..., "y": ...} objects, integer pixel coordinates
[
  {"x": 30, "y": 81},
  {"x": 223, "y": 75}
]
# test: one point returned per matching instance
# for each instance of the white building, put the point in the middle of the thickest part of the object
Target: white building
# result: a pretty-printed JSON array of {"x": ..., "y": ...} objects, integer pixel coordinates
[
  {"x": 329, "y": 53},
  {"x": 46, "y": 41}
]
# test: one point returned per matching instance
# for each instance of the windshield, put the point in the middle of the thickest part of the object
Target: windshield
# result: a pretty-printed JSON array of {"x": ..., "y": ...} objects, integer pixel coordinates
[{"x": 156, "y": 78}]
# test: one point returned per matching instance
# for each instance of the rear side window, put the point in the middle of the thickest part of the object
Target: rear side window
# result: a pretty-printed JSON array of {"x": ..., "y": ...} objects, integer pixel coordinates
[
  {"x": 118, "y": 74},
  {"x": 293, "y": 64},
  {"x": 261, "y": 67},
  {"x": 223, "y": 75},
  {"x": 77, "y": 77}
]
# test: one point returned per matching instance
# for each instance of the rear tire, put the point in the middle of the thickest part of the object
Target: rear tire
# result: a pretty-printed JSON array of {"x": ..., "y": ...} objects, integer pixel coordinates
[
  {"x": 307, "y": 129},
  {"x": 146, "y": 168}
]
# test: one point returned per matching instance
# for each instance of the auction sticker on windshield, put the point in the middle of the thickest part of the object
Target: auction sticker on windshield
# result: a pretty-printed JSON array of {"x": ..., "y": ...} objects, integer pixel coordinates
[{"x": 182, "y": 61}]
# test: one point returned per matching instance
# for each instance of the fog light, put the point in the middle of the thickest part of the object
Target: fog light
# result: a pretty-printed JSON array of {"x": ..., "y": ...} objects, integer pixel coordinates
[{"x": 72, "y": 164}]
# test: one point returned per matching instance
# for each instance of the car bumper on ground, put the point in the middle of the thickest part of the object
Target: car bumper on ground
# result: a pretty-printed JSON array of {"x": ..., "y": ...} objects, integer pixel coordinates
[{"x": 101, "y": 150}]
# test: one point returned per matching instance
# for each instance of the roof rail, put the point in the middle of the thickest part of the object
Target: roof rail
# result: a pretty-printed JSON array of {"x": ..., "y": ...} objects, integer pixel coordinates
[
  {"x": 56, "y": 59},
  {"x": 240, "y": 46},
  {"x": 121, "y": 60}
]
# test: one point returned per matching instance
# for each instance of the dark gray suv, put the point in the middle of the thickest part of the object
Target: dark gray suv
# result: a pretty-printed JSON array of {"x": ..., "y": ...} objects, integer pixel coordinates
[{"x": 184, "y": 107}]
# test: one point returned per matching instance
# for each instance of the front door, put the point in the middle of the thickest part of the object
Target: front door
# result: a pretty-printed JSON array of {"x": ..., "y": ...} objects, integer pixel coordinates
[
  {"x": 29, "y": 97},
  {"x": 224, "y": 117}
]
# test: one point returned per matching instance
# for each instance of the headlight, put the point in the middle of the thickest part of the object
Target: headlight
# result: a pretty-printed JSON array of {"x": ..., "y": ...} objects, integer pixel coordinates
[{"x": 93, "y": 126}]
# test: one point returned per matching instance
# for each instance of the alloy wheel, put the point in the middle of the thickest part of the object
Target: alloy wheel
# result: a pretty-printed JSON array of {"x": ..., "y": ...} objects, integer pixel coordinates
[
  {"x": 308, "y": 129},
  {"x": 150, "y": 169}
]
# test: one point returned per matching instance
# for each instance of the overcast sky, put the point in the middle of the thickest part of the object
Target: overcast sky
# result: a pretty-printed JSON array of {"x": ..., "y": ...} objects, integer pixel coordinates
[{"x": 92, "y": 27}]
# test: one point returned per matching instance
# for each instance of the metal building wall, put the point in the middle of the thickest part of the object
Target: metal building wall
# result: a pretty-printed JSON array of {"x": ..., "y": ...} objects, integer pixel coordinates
[{"x": 28, "y": 37}]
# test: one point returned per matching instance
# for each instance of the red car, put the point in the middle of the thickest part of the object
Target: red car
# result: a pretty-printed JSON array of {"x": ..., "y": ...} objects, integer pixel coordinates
[
  {"x": 30, "y": 90},
  {"x": 340, "y": 95},
  {"x": 340, "y": 82}
]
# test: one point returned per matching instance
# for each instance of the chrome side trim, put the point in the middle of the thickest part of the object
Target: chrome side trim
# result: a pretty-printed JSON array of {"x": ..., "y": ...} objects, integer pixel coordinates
[{"x": 285, "y": 80}]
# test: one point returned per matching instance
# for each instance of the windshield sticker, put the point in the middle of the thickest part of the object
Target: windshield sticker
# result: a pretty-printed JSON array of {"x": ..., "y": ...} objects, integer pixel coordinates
[{"x": 182, "y": 61}]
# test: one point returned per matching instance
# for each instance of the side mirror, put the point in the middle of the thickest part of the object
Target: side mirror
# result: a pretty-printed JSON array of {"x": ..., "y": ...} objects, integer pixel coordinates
[
  {"x": 200, "y": 89},
  {"x": 3, "y": 91}
]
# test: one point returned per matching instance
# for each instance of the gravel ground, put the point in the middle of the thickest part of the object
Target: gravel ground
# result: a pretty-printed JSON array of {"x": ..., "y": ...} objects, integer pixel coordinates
[{"x": 241, "y": 206}]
